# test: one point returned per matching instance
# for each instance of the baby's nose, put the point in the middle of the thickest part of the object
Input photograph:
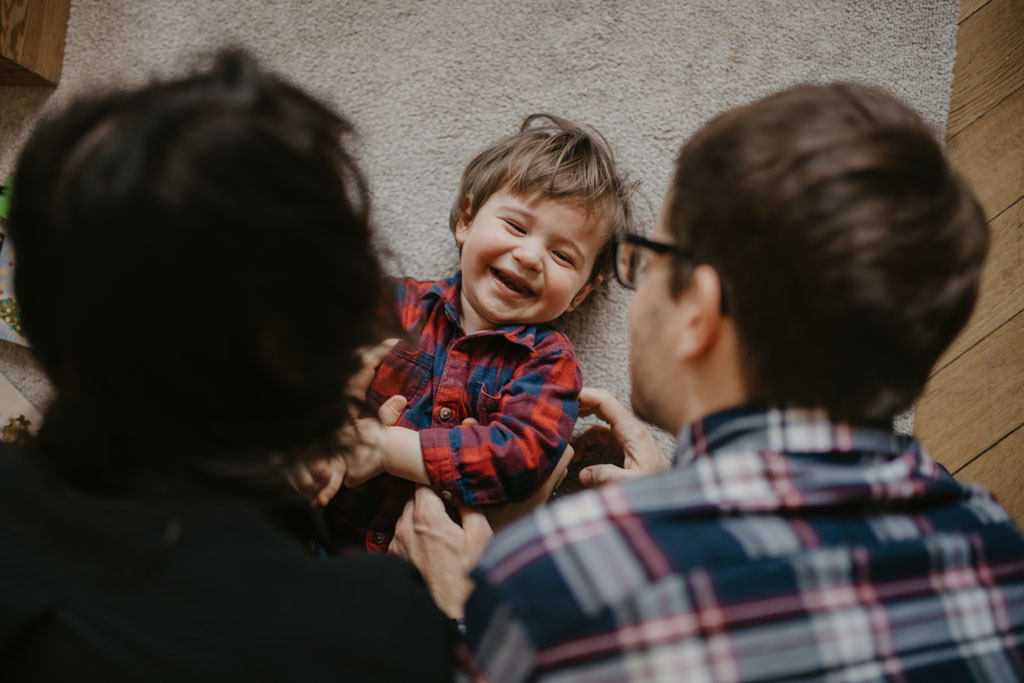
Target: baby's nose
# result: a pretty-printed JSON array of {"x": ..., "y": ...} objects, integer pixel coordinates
[{"x": 528, "y": 255}]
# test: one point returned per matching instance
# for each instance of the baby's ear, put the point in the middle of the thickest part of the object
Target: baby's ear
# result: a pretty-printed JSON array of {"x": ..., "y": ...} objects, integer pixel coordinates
[
  {"x": 583, "y": 293},
  {"x": 465, "y": 220},
  {"x": 461, "y": 231}
]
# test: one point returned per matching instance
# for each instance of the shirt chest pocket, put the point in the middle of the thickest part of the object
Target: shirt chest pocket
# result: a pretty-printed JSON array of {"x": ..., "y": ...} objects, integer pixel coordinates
[
  {"x": 406, "y": 371},
  {"x": 486, "y": 405}
]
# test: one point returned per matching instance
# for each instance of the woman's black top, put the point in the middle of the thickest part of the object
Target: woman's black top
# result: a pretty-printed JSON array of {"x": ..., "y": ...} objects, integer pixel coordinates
[{"x": 94, "y": 589}]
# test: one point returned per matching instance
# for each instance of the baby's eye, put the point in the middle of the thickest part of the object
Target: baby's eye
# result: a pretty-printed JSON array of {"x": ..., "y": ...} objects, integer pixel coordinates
[
  {"x": 513, "y": 228},
  {"x": 564, "y": 258}
]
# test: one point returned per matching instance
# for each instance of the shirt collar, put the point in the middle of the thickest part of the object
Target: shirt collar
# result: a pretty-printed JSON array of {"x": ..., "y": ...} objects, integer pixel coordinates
[
  {"x": 449, "y": 292},
  {"x": 788, "y": 430},
  {"x": 762, "y": 457}
]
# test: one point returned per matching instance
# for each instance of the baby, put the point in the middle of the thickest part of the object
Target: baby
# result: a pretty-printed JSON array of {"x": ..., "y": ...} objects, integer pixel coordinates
[{"x": 490, "y": 387}]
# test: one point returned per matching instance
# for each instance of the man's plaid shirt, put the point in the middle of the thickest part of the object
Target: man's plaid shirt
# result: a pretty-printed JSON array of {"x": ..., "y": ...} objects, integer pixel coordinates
[
  {"x": 780, "y": 547},
  {"x": 520, "y": 382}
]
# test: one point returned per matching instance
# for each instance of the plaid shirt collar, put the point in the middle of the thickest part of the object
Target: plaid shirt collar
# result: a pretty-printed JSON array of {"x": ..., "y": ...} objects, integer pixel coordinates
[
  {"x": 756, "y": 428},
  {"x": 764, "y": 457},
  {"x": 449, "y": 291}
]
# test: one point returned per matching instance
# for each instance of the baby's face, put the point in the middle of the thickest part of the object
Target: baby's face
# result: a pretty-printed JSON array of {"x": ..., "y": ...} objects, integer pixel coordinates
[{"x": 525, "y": 260}]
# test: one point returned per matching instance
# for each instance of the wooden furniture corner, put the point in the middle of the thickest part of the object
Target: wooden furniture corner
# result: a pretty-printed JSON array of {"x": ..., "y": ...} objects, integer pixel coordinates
[{"x": 32, "y": 41}]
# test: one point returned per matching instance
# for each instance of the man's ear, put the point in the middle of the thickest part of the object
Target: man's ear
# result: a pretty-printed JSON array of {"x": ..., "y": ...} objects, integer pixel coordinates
[
  {"x": 465, "y": 220},
  {"x": 701, "y": 305},
  {"x": 584, "y": 292}
]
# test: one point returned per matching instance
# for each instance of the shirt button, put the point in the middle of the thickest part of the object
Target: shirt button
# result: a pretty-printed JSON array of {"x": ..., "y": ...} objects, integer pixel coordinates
[
  {"x": 445, "y": 413},
  {"x": 379, "y": 538},
  {"x": 447, "y": 495}
]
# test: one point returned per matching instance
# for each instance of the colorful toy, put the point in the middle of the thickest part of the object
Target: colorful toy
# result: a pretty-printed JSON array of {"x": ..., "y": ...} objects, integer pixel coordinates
[{"x": 5, "y": 196}]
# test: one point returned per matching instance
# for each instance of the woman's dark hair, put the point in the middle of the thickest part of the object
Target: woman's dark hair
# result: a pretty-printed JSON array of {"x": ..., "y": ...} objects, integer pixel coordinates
[
  {"x": 849, "y": 251},
  {"x": 195, "y": 274}
]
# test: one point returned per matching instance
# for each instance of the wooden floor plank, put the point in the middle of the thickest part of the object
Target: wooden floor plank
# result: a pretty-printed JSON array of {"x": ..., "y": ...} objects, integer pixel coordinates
[
  {"x": 976, "y": 400},
  {"x": 969, "y": 7},
  {"x": 988, "y": 153},
  {"x": 1000, "y": 471},
  {"x": 989, "y": 62},
  {"x": 1002, "y": 282}
]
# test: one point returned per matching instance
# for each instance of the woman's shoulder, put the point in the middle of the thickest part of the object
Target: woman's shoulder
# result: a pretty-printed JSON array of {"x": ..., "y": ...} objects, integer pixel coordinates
[
  {"x": 372, "y": 611},
  {"x": 226, "y": 571}
]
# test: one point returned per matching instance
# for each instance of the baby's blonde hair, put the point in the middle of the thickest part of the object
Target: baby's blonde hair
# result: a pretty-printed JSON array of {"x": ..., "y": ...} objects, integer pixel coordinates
[{"x": 561, "y": 160}]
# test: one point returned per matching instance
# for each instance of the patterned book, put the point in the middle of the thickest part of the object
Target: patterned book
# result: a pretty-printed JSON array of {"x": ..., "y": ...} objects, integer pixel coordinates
[
  {"x": 10, "y": 314},
  {"x": 18, "y": 418}
]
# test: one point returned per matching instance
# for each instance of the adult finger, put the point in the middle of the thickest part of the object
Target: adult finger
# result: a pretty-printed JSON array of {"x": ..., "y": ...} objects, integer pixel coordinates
[
  {"x": 633, "y": 435},
  {"x": 478, "y": 532},
  {"x": 391, "y": 410},
  {"x": 588, "y": 400},
  {"x": 402, "y": 529},
  {"x": 428, "y": 506},
  {"x": 600, "y": 402},
  {"x": 599, "y": 475}
]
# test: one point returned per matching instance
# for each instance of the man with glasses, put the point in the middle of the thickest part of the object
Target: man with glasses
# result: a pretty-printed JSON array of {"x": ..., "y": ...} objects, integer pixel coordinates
[{"x": 814, "y": 256}]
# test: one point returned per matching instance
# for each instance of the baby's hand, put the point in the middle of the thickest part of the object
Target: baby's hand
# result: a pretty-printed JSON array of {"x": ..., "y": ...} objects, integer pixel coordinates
[
  {"x": 318, "y": 480},
  {"x": 362, "y": 454}
]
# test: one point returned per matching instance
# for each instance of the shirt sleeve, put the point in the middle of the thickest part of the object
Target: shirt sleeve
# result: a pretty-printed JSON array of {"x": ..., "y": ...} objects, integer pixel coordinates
[
  {"x": 515, "y": 451},
  {"x": 496, "y": 645}
]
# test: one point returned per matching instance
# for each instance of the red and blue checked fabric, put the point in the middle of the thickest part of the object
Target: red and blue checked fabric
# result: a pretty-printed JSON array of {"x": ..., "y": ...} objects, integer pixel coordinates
[
  {"x": 780, "y": 547},
  {"x": 520, "y": 383}
]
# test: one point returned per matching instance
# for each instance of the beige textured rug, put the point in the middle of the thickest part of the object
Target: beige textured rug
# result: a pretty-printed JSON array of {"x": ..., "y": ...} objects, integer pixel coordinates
[{"x": 429, "y": 82}]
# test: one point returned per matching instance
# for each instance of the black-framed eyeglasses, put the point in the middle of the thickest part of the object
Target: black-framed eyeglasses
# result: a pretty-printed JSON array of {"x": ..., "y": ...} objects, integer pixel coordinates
[
  {"x": 631, "y": 257},
  {"x": 631, "y": 260}
]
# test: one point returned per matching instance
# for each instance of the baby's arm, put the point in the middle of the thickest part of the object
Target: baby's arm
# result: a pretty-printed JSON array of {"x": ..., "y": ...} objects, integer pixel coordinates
[
  {"x": 378, "y": 448},
  {"x": 522, "y": 432},
  {"x": 525, "y": 430}
]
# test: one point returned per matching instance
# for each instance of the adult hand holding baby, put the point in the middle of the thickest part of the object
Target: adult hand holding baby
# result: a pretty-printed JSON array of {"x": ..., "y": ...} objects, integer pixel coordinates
[
  {"x": 625, "y": 432},
  {"x": 445, "y": 551}
]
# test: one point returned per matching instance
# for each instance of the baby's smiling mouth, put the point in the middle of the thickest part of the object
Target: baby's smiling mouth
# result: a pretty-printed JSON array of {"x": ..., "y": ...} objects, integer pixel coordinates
[{"x": 513, "y": 282}]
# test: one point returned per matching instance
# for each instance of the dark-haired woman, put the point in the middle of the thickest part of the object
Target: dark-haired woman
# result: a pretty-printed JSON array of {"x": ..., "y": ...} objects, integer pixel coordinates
[{"x": 195, "y": 274}]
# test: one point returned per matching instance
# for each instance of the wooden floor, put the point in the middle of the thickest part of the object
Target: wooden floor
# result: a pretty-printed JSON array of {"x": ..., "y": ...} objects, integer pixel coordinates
[{"x": 972, "y": 412}]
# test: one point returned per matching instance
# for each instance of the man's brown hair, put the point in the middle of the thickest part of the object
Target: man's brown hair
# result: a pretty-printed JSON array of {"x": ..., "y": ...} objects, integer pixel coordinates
[
  {"x": 561, "y": 160},
  {"x": 848, "y": 249}
]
